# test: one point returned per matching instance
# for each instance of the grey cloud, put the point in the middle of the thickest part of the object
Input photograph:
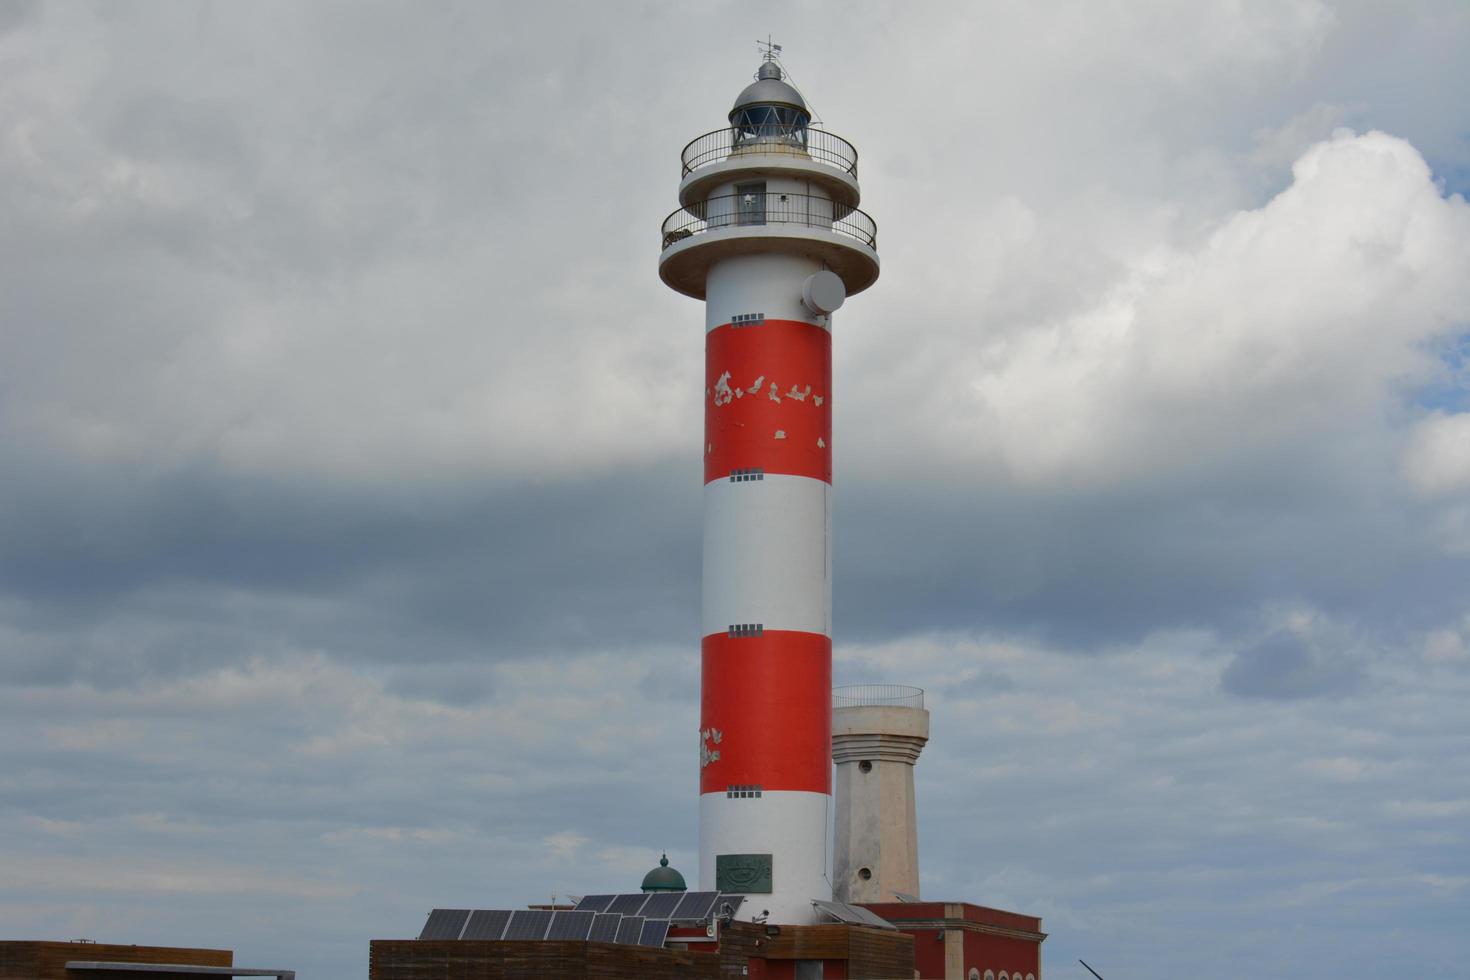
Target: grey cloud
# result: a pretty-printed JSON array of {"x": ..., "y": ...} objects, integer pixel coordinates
[
  {"x": 350, "y": 528},
  {"x": 453, "y": 685},
  {"x": 1285, "y": 667},
  {"x": 190, "y": 573}
]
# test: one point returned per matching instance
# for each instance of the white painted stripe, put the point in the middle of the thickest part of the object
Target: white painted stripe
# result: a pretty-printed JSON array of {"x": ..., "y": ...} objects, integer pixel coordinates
[
  {"x": 767, "y": 283},
  {"x": 768, "y": 554},
  {"x": 789, "y": 826}
]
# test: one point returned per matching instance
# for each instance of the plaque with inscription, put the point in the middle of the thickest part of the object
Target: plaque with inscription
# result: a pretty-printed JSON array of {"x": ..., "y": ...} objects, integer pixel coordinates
[{"x": 749, "y": 874}]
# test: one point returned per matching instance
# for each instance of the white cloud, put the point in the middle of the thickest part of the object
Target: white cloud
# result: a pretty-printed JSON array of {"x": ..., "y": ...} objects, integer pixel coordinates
[
  {"x": 1437, "y": 457},
  {"x": 1297, "y": 327}
]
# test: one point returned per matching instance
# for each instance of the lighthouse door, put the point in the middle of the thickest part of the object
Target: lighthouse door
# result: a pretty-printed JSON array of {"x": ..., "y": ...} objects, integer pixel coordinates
[{"x": 750, "y": 203}]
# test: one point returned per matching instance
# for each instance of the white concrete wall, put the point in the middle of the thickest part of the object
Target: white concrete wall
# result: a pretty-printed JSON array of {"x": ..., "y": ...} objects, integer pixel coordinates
[
  {"x": 789, "y": 826},
  {"x": 766, "y": 283},
  {"x": 768, "y": 554}
]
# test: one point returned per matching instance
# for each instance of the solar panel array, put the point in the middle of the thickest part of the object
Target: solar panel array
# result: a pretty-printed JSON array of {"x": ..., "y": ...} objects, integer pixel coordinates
[
  {"x": 655, "y": 931},
  {"x": 595, "y": 903},
  {"x": 605, "y": 927},
  {"x": 677, "y": 906},
  {"x": 444, "y": 924},
  {"x": 528, "y": 924},
  {"x": 627, "y": 904},
  {"x": 571, "y": 925},
  {"x": 853, "y": 914},
  {"x": 486, "y": 924},
  {"x": 580, "y": 924},
  {"x": 630, "y": 930},
  {"x": 661, "y": 905}
]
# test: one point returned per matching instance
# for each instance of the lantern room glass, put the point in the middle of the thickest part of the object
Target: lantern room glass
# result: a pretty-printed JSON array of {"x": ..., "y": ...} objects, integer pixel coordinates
[{"x": 770, "y": 123}]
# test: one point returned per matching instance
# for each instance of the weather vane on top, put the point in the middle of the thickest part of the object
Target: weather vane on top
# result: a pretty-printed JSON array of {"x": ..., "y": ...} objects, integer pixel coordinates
[{"x": 772, "y": 51}]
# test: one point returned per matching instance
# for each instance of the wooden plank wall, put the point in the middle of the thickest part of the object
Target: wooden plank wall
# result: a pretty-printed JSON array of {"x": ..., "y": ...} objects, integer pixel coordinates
[
  {"x": 462, "y": 959},
  {"x": 24, "y": 960},
  {"x": 879, "y": 954},
  {"x": 739, "y": 943},
  {"x": 871, "y": 954}
]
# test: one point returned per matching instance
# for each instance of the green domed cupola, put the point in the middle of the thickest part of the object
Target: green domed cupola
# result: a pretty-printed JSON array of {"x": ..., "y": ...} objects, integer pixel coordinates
[{"x": 664, "y": 878}]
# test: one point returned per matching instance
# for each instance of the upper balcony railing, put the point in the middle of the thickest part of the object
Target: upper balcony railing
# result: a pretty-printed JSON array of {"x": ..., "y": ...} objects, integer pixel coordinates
[
  {"x": 877, "y": 695},
  {"x": 769, "y": 208},
  {"x": 798, "y": 141}
]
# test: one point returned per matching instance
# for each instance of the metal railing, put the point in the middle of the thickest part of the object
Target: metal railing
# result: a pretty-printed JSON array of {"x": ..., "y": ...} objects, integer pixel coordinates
[
  {"x": 802, "y": 141},
  {"x": 748, "y": 210},
  {"x": 877, "y": 695}
]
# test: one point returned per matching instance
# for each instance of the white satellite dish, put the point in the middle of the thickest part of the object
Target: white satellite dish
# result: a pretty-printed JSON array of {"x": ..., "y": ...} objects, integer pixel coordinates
[{"x": 823, "y": 292}]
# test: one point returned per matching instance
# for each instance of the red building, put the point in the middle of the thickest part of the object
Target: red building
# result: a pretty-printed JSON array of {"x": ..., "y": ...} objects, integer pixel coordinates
[{"x": 960, "y": 941}]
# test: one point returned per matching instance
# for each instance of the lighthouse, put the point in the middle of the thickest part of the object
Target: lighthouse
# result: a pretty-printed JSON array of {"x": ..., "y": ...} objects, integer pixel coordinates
[{"x": 769, "y": 235}]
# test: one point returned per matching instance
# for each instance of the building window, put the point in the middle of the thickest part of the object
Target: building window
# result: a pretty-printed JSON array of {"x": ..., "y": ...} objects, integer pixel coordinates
[
  {"x": 865, "y": 766},
  {"x": 974, "y": 973},
  {"x": 989, "y": 975},
  {"x": 866, "y": 874},
  {"x": 747, "y": 792},
  {"x": 747, "y": 474},
  {"x": 741, "y": 630}
]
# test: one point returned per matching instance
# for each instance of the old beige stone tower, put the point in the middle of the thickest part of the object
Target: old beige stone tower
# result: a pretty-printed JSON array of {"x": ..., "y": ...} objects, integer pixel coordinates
[{"x": 878, "y": 731}]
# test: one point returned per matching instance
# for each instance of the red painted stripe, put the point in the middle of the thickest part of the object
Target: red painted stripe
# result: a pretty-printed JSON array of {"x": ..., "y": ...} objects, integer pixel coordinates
[
  {"x": 743, "y": 366},
  {"x": 770, "y": 698}
]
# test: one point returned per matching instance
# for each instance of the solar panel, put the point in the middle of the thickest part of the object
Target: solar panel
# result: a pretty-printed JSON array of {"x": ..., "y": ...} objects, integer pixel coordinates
[
  {"x": 627, "y": 904},
  {"x": 528, "y": 924},
  {"x": 695, "y": 906},
  {"x": 661, "y": 905},
  {"x": 571, "y": 925},
  {"x": 630, "y": 930},
  {"x": 595, "y": 903},
  {"x": 655, "y": 931},
  {"x": 837, "y": 910},
  {"x": 486, "y": 924},
  {"x": 605, "y": 928},
  {"x": 868, "y": 917},
  {"x": 853, "y": 914},
  {"x": 444, "y": 924}
]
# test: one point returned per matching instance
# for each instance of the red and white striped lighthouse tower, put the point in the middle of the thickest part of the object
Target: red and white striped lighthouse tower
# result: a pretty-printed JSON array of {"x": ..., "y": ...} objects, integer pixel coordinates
[{"x": 770, "y": 237}]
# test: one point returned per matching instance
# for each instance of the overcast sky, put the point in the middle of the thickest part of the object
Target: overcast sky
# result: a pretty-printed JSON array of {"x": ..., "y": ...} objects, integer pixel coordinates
[{"x": 349, "y": 540}]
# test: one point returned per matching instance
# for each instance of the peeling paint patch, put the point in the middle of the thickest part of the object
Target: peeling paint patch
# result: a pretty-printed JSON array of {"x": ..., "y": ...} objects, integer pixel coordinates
[
  {"x": 780, "y": 433},
  {"x": 821, "y": 443},
  {"x": 773, "y": 394},
  {"x": 817, "y": 401},
  {"x": 739, "y": 392},
  {"x": 723, "y": 394},
  {"x": 799, "y": 395},
  {"x": 755, "y": 389}
]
